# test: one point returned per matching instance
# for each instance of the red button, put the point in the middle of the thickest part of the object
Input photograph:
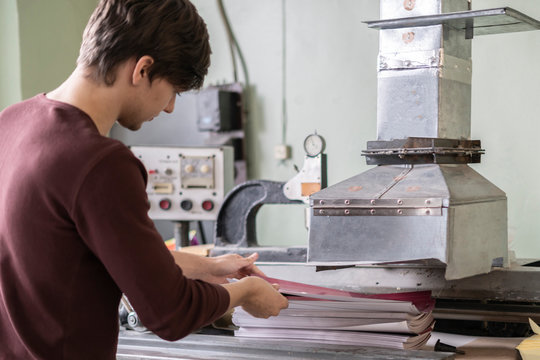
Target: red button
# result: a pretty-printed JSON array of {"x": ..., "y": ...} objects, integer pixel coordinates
[
  {"x": 152, "y": 171},
  {"x": 207, "y": 205},
  {"x": 165, "y": 204}
]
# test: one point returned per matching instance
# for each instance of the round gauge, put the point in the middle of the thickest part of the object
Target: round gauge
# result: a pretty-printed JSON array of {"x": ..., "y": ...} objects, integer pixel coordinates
[{"x": 314, "y": 145}]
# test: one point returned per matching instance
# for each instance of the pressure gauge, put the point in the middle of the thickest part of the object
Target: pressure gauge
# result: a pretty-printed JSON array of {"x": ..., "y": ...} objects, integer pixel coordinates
[{"x": 314, "y": 145}]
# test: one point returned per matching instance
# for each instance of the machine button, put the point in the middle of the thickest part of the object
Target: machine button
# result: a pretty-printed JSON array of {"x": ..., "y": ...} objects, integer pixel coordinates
[
  {"x": 205, "y": 169},
  {"x": 165, "y": 204},
  {"x": 207, "y": 205},
  {"x": 168, "y": 172},
  {"x": 186, "y": 205},
  {"x": 189, "y": 168}
]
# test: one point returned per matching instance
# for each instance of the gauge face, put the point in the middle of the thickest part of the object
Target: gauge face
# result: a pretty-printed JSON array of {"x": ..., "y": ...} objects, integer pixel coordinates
[{"x": 313, "y": 145}]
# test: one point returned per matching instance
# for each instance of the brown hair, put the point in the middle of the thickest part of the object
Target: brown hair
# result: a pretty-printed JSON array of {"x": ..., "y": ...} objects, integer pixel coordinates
[{"x": 170, "y": 31}]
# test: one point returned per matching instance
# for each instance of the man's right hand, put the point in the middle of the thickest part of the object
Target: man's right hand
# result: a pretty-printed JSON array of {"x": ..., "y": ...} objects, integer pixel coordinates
[{"x": 256, "y": 296}]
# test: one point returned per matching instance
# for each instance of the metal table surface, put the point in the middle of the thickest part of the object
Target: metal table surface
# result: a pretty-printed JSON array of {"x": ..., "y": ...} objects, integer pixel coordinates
[{"x": 133, "y": 345}]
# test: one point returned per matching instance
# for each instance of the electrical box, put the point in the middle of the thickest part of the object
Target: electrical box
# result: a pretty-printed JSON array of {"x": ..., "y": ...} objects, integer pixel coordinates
[
  {"x": 219, "y": 110},
  {"x": 186, "y": 183}
]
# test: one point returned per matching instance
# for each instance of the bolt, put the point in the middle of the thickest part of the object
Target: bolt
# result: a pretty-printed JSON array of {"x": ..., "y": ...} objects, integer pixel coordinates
[
  {"x": 428, "y": 212},
  {"x": 400, "y": 202},
  {"x": 372, "y": 211},
  {"x": 347, "y": 202},
  {"x": 372, "y": 202},
  {"x": 321, "y": 212},
  {"x": 321, "y": 202},
  {"x": 347, "y": 212},
  {"x": 400, "y": 212},
  {"x": 428, "y": 201}
]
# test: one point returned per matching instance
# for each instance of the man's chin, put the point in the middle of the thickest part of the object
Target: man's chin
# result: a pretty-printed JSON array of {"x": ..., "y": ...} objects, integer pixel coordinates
[{"x": 132, "y": 127}]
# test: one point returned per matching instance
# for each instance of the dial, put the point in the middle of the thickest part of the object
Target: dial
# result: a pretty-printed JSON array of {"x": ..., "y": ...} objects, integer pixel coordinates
[{"x": 314, "y": 145}]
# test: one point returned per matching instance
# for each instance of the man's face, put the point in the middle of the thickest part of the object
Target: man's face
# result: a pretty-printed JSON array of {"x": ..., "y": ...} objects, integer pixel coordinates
[{"x": 149, "y": 102}]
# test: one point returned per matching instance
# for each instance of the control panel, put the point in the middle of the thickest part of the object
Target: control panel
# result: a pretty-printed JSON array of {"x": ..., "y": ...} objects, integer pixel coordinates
[{"x": 186, "y": 183}]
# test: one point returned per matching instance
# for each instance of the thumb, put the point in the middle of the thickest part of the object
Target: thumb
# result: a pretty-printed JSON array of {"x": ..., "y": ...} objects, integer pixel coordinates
[{"x": 253, "y": 257}]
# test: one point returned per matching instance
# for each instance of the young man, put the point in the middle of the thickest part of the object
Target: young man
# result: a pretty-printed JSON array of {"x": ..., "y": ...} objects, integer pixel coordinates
[{"x": 74, "y": 230}]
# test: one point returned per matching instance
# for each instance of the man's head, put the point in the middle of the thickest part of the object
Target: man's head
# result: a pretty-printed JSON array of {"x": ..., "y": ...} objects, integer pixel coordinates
[{"x": 169, "y": 31}]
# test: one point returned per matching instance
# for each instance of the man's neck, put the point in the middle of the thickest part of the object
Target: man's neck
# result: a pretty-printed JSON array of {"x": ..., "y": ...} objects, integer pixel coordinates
[{"x": 102, "y": 103}]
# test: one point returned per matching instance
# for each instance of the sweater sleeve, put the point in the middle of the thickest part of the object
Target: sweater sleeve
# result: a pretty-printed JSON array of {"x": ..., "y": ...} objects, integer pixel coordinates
[{"x": 110, "y": 212}]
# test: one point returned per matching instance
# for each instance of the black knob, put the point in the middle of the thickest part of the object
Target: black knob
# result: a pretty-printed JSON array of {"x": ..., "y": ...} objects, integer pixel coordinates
[{"x": 186, "y": 205}]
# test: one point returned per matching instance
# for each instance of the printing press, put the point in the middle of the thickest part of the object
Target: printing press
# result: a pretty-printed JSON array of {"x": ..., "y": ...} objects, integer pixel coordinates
[{"x": 420, "y": 219}]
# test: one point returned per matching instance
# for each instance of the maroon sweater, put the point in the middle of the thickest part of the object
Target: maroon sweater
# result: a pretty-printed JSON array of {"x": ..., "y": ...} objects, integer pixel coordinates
[{"x": 74, "y": 235}]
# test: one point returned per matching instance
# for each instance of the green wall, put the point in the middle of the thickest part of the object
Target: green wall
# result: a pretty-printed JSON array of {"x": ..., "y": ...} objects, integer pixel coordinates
[
  {"x": 40, "y": 42},
  {"x": 50, "y": 36},
  {"x": 10, "y": 69}
]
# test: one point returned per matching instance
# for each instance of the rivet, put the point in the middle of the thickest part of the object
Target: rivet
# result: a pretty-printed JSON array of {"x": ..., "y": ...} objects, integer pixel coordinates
[
  {"x": 321, "y": 202},
  {"x": 428, "y": 201},
  {"x": 400, "y": 202},
  {"x": 347, "y": 212},
  {"x": 372, "y": 202},
  {"x": 321, "y": 212},
  {"x": 407, "y": 37},
  {"x": 400, "y": 212},
  {"x": 372, "y": 211},
  {"x": 428, "y": 212},
  {"x": 409, "y": 4},
  {"x": 347, "y": 202}
]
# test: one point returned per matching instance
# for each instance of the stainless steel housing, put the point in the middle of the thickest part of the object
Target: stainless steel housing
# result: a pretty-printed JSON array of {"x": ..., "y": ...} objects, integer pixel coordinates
[{"x": 440, "y": 214}]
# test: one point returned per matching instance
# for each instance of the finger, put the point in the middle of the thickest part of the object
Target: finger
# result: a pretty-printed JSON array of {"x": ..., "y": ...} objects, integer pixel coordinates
[
  {"x": 275, "y": 286},
  {"x": 251, "y": 259},
  {"x": 256, "y": 271},
  {"x": 253, "y": 256}
]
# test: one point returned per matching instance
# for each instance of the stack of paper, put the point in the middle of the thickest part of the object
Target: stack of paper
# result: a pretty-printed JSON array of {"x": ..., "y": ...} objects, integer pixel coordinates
[{"x": 324, "y": 315}]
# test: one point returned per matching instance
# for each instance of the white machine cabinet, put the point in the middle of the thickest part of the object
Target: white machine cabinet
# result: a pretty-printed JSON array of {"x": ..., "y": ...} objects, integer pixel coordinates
[{"x": 186, "y": 183}]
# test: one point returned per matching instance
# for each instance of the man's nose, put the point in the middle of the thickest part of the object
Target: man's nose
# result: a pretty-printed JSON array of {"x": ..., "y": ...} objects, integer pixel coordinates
[{"x": 170, "y": 106}]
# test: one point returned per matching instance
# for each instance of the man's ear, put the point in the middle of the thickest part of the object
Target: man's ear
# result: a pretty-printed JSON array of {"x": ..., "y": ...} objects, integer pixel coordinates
[{"x": 140, "y": 71}]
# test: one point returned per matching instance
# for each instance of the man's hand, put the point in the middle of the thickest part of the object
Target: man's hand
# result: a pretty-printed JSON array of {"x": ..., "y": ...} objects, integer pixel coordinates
[
  {"x": 257, "y": 297},
  {"x": 217, "y": 269},
  {"x": 232, "y": 266}
]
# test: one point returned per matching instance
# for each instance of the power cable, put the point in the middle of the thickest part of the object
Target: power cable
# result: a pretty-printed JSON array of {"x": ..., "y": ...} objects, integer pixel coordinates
[
  {"x": 284, "y": 72},
  {"x": 234, "y": 41},
  {"x": 230, "y": 38}
]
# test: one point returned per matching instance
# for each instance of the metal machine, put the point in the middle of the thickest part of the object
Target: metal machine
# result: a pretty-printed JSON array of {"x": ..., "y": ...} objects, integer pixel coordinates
[
  {"x": 235, "y": 225},
  {"x": 422, "y": 219},
  {"x": 422, "y": 201}
]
